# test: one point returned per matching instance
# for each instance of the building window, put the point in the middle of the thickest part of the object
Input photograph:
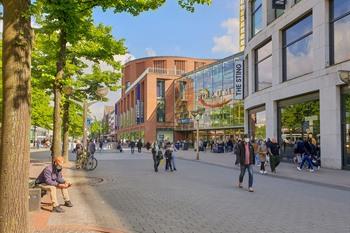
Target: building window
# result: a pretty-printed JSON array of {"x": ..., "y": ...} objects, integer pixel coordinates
[
  {"x": 257, "y": 123},
  {"x": 256, "y": 16},
  {"x": 160, "y": 89},
  {"x": 278, "y": 13},
  {"x": 340, "y": 36},
  {"x": 263, "y": 67},
  {"x": 198, "y": 65},
  {"x": 159, "y": 67},
  {"x": 179, "y": 67},
  {"x": 298, "y": 119},
  {"x": 160, "y": 101},
  {"x": 297, "y": 49}
]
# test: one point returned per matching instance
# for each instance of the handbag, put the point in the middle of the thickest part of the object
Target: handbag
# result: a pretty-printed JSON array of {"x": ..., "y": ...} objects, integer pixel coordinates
[{"x": 160, "y": 155}]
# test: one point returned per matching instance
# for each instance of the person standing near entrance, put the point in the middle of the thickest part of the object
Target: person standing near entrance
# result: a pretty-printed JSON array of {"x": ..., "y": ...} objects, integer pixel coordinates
[{"x": 247, "y": 160}]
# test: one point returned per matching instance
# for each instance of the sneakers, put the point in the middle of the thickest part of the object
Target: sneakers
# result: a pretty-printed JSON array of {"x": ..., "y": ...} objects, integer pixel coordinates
[
  {"x": 311, "y": 170},
  {"x": 265, "y": 172},
  {"x": 299, "y": 168},
  {"x": 251, "y": 189},
  {"x": 240, "y": 185},
  {"x": 261, "y": 172},
  {"x": 58, "y": 209},
  {"x": 68, "y": 204}
]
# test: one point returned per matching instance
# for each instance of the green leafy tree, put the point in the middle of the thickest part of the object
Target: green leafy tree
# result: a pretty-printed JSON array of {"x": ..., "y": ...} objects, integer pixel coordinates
[{"x": 69, "y": 18}]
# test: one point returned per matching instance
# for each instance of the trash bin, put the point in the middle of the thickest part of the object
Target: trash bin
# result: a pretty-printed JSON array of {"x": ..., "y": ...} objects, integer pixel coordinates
[{"x": 34, "y": 199}]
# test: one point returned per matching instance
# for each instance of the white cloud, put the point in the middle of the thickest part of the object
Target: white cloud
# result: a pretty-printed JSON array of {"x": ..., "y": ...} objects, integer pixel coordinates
[
  {"x": 150, "y": 52},
  {"x": 228, "y": 43}
]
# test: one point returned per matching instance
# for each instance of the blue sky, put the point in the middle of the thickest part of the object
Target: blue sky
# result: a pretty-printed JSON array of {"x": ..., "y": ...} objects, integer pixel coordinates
[{"x": 171, "y": 30}]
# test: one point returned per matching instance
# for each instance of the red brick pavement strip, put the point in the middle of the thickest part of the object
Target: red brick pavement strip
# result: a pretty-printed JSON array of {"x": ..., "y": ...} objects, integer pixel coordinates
[{"x": 77, "y": 229}]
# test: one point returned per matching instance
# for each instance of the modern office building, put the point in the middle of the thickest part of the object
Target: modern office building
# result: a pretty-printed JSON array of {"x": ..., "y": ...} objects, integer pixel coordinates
[
  {"x": 293, "y": 90},
  {"x": 211, "y": 88},
  {"x": 146, "y": 107},
  {"x": 108, "y": 120}
]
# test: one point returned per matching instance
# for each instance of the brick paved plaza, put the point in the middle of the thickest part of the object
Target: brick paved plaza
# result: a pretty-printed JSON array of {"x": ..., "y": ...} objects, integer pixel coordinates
[{"x": 199, "y": 197}]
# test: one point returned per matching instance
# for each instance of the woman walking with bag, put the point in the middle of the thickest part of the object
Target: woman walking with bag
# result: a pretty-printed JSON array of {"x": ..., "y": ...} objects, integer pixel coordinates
[
  {"x": 156, "y": 155},
  {"x": 262, "y": 151}
]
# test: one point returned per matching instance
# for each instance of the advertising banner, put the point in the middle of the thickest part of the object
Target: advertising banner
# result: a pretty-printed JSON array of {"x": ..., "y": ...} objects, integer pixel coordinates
[
  {"x": 138, "y": 104},
  {"x": 238, "y": 76}
]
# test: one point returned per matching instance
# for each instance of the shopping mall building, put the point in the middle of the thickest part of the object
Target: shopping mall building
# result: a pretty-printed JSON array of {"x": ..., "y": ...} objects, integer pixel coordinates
[
  {"x": 211, "y": 88},
  {"x": 146, "y": 107},
  {"x": 292, "y": 59}
]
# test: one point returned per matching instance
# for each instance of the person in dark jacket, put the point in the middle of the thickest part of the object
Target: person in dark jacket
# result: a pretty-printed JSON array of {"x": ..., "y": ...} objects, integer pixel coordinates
[
  {"x": 309, "y": 149},
  {"x": 132, "y": 146},
  {"x": 274, "y": 154},
  {"x": 157, "y": 155},
  {"x": 51, "y": 179},
  {"x": 168, "y": 157},
  {"x": 246, "y": 160},
  {"x": 139, "y": 146}
]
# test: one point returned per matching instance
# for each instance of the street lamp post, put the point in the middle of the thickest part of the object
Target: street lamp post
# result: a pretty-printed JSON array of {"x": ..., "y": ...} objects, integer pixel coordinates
[{"x": 197, "y": 115}]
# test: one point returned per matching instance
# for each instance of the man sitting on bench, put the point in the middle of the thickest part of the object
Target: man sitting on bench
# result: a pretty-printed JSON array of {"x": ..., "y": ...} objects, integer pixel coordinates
[{"x": 51, "y": 179}]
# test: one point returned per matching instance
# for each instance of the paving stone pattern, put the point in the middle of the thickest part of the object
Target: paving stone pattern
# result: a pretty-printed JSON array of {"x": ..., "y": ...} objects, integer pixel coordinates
[{"x": 201, "y": 198}]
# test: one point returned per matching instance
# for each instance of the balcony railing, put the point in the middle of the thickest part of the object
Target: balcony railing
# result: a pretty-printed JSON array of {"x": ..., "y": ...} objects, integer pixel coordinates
[{"x": 165, "y": 71}]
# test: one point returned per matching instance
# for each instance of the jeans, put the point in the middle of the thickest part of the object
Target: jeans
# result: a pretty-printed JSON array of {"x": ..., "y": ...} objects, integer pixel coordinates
[
  {"x": 173, "y": 161},
  {"x": 156, "y": 162},
  {"x": 250, "y": 172},
  {"x": 308, "y": 160},
  {"x": 132, "y": 150},
  {"x": 168, "y": 164}
]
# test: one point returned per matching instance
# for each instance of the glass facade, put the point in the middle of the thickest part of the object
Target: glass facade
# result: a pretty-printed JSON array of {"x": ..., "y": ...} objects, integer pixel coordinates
[
  {"x": 256, "y": 16},
  {"x": 257, "y": 123},
  {"x": 340, "y": 35},
  {"x": 211, "y": 88},
  {"x": 298, "y": 118},
  {"x": 263, "y": 67},
  {"x": 346, "y": 127},
  {"x": 297, "y": 49}
]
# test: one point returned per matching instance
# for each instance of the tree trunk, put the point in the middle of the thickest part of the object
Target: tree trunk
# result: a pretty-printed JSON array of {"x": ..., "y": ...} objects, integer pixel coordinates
[
  {"x": 14, "y": 152},
  {"x": 57, "y": 120},
  {"x": 65, "y": 130}
]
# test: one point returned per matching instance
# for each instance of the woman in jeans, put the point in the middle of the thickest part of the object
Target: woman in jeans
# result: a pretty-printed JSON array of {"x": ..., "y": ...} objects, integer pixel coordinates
[{"x": 262, "y": 151}]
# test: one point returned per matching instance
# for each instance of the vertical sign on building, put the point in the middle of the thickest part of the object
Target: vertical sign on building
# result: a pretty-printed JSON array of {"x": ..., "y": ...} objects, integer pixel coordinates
[
  {"x": 238, "y": 74},
  {"x": 138, "y": 103}
]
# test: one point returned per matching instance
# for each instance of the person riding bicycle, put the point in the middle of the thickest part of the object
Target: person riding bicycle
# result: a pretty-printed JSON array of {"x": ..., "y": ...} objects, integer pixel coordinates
[{"x": 51, "y": 179}]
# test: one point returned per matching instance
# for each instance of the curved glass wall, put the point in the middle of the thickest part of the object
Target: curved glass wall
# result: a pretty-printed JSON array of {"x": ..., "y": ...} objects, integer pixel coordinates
[{"x": 211, "y": 88}]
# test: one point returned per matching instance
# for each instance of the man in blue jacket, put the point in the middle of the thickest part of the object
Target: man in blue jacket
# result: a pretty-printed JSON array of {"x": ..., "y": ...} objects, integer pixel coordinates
[{"x": 51, "y": 179}]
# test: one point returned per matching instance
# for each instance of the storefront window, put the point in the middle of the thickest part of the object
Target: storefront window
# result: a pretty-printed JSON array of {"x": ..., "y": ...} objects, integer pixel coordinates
[
  {"x": 256, "y": 16},
  {"x": 257, "y": 123},
  {"x": 297, "y": 49},
  {"x": 340, "y": 36},
  {"x": 299, "y": 118},
  {"x": 263, "y": 67},
  {"x": 346, "y": 127}
]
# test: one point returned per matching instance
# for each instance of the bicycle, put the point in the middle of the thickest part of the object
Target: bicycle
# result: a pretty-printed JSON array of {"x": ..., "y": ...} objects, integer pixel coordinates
[{"x": 87, "y": 161}]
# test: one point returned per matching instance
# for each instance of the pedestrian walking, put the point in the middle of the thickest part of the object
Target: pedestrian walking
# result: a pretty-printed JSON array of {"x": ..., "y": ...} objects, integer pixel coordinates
[
  {"x": 246, "y": 160},
  {"x": 132, "y": 146},
  {"x": 173, "y": 150},
  {"x": 157, "y": 155},
  {"x": 262, "y": 151},
  {"x": 308, "y": 150},
  {"x": 101, "y": 145},
  {"x": 168, "y": 157},
  {"x": 274, "y": 154},
  {"x": 139, "y": 146}
]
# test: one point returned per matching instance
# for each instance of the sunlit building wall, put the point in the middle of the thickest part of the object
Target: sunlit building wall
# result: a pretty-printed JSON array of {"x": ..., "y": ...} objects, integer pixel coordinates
[{"x": 292, "y": 87}]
